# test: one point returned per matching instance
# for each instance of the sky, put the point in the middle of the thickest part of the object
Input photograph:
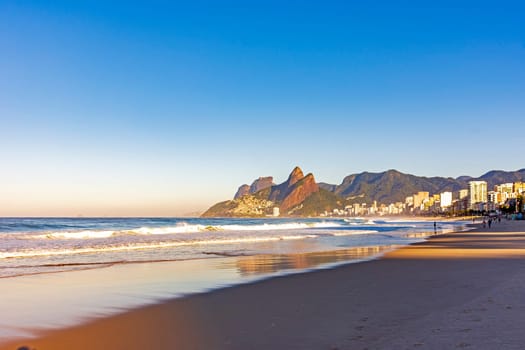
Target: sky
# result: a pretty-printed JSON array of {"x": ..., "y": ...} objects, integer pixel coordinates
[{"x": 127, "y": 108}]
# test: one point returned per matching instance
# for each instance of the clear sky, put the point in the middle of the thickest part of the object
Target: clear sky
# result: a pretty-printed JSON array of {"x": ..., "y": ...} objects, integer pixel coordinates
[{"x": 163, "y": 108}]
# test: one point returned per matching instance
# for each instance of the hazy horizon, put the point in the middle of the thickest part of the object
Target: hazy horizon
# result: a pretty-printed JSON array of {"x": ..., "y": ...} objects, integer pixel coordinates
[
  {"x": 156, "y": 209},
  {"x": 163, "y": 109}
]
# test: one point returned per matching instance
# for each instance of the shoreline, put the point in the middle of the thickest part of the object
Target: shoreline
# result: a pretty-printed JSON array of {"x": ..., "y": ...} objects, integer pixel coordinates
[
  {"x": 234, "y": 317},
  {"x": 250, "y": 269},
  {"x": 218, "y": 319},
  {"x": 333, "y": 263}
]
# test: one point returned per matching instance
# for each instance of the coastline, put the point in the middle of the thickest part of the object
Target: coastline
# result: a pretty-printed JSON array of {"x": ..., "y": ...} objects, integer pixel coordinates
[{"x": 453, "y": 290}]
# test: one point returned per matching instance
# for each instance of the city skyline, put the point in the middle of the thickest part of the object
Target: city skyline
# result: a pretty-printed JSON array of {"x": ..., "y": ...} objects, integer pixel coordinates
[{"x": 156, "y": 109}]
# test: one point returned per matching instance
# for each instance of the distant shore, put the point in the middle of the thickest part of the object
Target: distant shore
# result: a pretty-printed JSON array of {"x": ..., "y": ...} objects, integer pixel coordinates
[{"x": 453, "y": 291}]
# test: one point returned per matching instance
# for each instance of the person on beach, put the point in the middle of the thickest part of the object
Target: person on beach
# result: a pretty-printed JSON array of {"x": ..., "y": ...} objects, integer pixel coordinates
[
  {"x": 490, "y": 222},
  {"x": 435, "y": 228},
  {"x": 484, "y": 224}
]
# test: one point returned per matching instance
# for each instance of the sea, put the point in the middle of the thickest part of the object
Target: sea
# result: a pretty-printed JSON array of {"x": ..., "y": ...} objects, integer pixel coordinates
[{"x": 57, "y": 272}]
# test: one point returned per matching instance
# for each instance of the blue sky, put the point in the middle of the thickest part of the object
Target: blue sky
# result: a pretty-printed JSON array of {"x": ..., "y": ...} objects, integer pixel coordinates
[{"x": 162, "y": 108}]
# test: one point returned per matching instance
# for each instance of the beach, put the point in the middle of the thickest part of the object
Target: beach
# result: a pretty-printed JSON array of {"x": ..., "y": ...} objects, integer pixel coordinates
[
  {"x": 261, "y": 175},
  {"x": 460, "y": 290}
]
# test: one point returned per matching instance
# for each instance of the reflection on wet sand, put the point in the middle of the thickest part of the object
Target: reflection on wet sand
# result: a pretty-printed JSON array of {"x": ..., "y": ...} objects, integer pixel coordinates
[
  {"x": 439, "y": 231},
  {"x": 271, "y": 263}
]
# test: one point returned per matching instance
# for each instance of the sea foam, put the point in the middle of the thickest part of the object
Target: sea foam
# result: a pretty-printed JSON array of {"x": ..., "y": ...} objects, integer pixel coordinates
[{"x": 182, "y": 228}]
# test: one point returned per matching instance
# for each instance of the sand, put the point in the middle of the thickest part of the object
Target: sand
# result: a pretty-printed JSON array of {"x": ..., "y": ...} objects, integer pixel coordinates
[{"x": 462, "y": 290}]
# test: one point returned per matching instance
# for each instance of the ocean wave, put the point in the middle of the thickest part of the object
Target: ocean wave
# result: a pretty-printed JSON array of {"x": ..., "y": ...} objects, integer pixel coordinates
[
  {"x": 407, "y": 220},
  {"x": 271, "y": 227},
  {"x": 352, "y": 232},
  {"x": 30, "y": 253},
  {"x": 182, "y": 229},
  {"x": 76, "y": 234},
  {"x": 359, "y": 221}
]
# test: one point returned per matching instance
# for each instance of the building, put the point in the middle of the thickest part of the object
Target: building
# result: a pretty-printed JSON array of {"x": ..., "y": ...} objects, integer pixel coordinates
[
  {"x": 478, "y": 194},
  {"x": 506, "y": 191},
  {"x": 519, "y": 187},
  {"x": 357, "y": 209},
  {"x": 493, "y": 200},
  {"x": 508, "y": 188},
  {"x": 420, "y": 198},
  {"x": 276, "y": 211},
  {"x": 495, "y": 197},
  {"x": 460, "y": 205},
  {"x": 445, "y": 199},
  {"x": 462, "y": 194}
]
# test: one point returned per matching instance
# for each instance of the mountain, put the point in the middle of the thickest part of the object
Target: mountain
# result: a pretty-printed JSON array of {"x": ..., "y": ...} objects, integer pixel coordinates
[
  {"x": 246, "y": 206},
  {"x": 319, "y": 202},
  {"x": 261, "y": 184},
  {"x": 279, "y": 192},
  {"x": 393, "y": 186},
  {"x": 287, "y": 196},
  {"x": 496, "y": 177},
  {"x": 300, "y": 195},
  {"x": 297, "y": 191},
  {"x": 327, "y": 187},
  {"x": 256, "y": 186},
  {"x": 242, "y": 191}
]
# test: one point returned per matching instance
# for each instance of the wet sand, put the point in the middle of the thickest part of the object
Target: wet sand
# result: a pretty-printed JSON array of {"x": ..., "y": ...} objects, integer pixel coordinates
[{"x": 463, "y": 290}]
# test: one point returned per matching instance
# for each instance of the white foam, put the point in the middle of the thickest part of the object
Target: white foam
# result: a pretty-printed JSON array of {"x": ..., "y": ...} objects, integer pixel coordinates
[
  {"x": 182, "y": 229},
  {"x": 360, "y": 221},
  {"x": 28, "y": 245},
  {"x": 352, "y": 232},
  {"x": 137, "y": 246},
  {"x": 406, "y": 220},
  {"x": 271, "y": 227},
  {"x": 76, "y": 234}
]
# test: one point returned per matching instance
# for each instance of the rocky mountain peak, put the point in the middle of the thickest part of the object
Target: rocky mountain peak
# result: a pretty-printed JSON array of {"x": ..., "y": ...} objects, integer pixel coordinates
[
  {"x": 242, "y": 191},
  {"x": 288, "y": 196},
  {"x": 257, "y": 185},
  {"x": 299, "y": 191},
  {"x": 261, "y": 184},
  {"x": 295, "y": 176}
]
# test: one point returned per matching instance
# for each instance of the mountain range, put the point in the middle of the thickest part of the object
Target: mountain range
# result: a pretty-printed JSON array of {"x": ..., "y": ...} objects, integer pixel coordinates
[{"x": 300, "y": 195}]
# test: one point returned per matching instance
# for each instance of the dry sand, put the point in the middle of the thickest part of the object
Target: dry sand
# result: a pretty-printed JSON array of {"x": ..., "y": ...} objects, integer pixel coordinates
[{"x": 463, "y": 290}]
